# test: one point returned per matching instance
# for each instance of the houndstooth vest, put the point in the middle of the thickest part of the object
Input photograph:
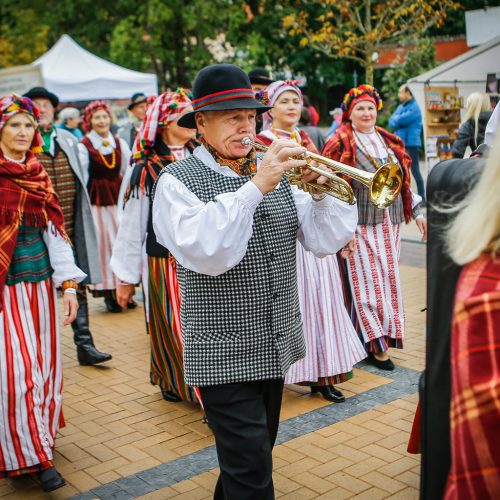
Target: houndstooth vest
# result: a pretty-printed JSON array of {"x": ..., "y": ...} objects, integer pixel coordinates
[{"x": 245, "y": 324}]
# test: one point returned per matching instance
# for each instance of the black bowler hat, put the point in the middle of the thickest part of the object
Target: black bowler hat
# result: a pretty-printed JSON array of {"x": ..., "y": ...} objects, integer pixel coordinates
[
  {"x": 136, "y": 99},
  {"x": 220, "y": 87},
  {"x": 42, "y": 93},
  {"x": 260, "y": 76}
]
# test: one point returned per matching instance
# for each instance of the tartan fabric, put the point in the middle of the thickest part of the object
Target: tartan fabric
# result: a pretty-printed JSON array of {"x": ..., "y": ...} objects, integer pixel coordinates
[
  {"x": 64, "y": 181},
  {"x": 342, "y": 147},
  {"x": 475, "y": 391},
  {"x": 26, "y": 196},
  {"x": 30, "y": 261},
  {"x": 245, "y": 324},
  {"x": 104, "y": 183},
  {"x": 367, "y": 213}
]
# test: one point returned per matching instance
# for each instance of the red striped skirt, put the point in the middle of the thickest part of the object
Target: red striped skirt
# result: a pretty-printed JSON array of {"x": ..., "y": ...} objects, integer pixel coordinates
[
  {"x": 375, "y": 283},
  {"x": 30, "y": 376}
]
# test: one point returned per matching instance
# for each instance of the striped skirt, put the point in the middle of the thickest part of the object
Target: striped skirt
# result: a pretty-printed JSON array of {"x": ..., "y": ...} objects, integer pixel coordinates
[
  {"x": 106, "y": 223},
  {"x": 375, "y": 287},
  {"x": 167, "y": 366},
  {"x": 332, "y": 345},
  {"x": 31, "y": 377}
]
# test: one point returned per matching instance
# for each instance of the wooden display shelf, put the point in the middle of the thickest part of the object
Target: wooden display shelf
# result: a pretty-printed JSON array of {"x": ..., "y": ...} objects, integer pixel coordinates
[
  {"x": 443, "y": 124},
  {"x": 444, "y": 109}
]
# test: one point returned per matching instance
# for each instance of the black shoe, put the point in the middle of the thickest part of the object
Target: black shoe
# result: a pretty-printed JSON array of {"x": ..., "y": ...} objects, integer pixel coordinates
[
  {"x": 387, "y": 365},
  {"x": 50, "y": 479},
  {"x": 111, "y": 305},
  {"x": 88, "y": 355},
  {"x": 170, "y": 396},
  {"x": 335, "y": 396},
  {"x": 132, "y": 305}
]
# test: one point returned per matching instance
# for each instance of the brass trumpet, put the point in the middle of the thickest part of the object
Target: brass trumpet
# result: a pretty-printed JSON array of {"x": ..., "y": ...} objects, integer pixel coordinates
[{"x": 384, "y": 184}]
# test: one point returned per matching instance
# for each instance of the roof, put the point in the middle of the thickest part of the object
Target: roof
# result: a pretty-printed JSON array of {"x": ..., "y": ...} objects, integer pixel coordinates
[
  {"x": 75, "y": 74},
  {"x": 472, "y": 66}
]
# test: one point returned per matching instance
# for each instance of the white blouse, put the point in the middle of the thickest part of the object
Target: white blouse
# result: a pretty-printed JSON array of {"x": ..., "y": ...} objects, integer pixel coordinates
[
  {"x": 61, "y": 257},
  {"x": 97, "y": 142},
  {"x": 212, "y": 238}
]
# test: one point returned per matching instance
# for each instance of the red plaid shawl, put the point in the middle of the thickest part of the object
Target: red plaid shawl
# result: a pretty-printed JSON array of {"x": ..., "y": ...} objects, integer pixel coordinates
[
  {"x": 306, "y": 141},
  {"x": 342, "y": 147},
  {"x": 475, "y": 392},
  {"x": 26, "y": 197}
]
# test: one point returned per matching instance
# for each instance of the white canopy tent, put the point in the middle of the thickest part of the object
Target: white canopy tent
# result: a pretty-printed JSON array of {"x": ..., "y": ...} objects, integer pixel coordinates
[
  {"x": 467, "y": 72},
  {"x": 75, "y": 74}
]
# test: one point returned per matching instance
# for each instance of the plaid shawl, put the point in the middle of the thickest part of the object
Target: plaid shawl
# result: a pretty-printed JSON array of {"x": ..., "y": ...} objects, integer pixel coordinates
[
  {"x": 26, "y": 197},
  {"x": 475, "y": 384},
  {"x": 342, "y": 147}
]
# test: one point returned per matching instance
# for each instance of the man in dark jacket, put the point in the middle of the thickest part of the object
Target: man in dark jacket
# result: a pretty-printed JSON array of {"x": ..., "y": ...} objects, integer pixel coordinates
[{"x": 406, "y": 122}]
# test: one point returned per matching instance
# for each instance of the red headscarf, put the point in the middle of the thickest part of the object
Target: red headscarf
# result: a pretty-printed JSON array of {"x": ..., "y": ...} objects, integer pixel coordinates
[
  {"x": 363, "y": 92},
  {"x": 90, "y": 110},
  {"x": 166, "y": 108},
  {"x": 26, "y": 193}
]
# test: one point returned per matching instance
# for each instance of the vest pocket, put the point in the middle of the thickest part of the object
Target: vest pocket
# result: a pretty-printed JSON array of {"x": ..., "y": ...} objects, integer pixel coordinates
[{"x": 213, "y": 336}]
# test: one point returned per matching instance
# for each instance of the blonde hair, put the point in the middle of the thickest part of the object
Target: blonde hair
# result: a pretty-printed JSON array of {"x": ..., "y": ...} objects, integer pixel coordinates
[
  {"x": 476, "y": 229},
  {"x": 476, "y": 102}
]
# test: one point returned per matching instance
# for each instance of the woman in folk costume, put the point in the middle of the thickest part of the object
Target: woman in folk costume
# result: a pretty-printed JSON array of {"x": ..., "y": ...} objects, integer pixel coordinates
[
  {"x": 332, "y": 344},
  {"x": 35, "y": 257},
  {"x": 104, "y": 160},
  {"x": 373, "y": 271},
  {"x": 160, "y": 141}
]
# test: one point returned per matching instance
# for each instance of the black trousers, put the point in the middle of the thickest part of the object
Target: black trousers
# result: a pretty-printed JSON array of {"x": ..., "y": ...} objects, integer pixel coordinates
[
  {"x": 244, "y": 418},
  {"x": 415, "y": 169}
]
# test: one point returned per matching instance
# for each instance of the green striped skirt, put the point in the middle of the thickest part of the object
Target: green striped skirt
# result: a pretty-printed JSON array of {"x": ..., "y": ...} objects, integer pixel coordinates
[{"x": 167, "y": 368}]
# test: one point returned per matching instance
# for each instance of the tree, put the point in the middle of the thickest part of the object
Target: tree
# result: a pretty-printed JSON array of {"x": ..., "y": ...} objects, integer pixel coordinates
[{"x": 356, "y": 29}]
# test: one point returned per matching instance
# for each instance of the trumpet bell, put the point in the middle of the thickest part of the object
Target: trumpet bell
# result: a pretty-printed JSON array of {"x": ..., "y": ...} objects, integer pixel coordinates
[{"x": 386, "y": 185}]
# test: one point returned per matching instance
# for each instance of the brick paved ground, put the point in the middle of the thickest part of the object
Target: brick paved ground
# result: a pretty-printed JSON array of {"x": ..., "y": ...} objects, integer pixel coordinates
[{"x": 123, "y": 441}]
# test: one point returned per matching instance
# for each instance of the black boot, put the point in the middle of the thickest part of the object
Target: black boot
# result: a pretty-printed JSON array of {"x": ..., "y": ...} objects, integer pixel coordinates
[
  {"x": 86, "y": 352},
  {"x": 329, "y": 393},
  {"x": 111, "y": 305},
  {"x": 50, "y": 479}
]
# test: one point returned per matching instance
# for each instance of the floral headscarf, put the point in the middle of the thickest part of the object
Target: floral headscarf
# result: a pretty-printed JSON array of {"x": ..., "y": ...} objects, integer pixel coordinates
[
  {"x": 13, "y": 104},
  {"x": 271, "y": 94},
  {"x": 165, "y": 109},
  {"x": 90, "y": 110},
  {"x": 363, "y": 92}
]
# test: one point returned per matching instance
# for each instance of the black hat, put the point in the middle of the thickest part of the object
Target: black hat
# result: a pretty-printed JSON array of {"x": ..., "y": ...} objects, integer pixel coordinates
[
  {"x": 260, "y": 76},
  {"x": 136, "y": 99},
  {"x": 42, "y": 93},
  {"x": 219, "y": 87}
]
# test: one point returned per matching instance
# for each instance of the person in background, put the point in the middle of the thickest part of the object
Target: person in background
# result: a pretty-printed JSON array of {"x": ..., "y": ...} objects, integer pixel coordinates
[
  {"x": 137, "y": 111},
  {"x": 60, "y": 159},
  {"x": 313, "y": 132},
  {"x": 474, "y": 242},
  {"x": 336, "y": 115},
  {"x": 104, "y": 159},
  {"x": 313, "y": 113},
  {"x": 471, "y": 132},
  {"x": 36, "y": 257},
  {"x": 260, "y": 78},
  {"x": 332, "y": 346},
  {"x": 492, "y": 126},
  {"x": 406, "y": 122},
  {"x": 376, "y": 299},
  {"x": 69, "y": 119},
  {"x": 159, "y": 143}
]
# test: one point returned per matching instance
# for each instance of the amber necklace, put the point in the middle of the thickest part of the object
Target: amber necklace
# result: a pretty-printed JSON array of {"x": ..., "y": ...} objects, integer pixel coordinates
[
  {"x": 113, "y": 157},
  {"x": 293, "y": 135},
  {"x": 368, "y": 155}
]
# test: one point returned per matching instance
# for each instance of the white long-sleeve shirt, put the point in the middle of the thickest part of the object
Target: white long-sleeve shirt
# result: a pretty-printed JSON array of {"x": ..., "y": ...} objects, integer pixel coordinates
[
  {"x": 61, "y": 257},
  {"x": 212, "y": 238}
]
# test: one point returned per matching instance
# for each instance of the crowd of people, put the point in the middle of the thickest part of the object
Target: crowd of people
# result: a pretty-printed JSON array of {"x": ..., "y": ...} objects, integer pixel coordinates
[{"x": 250, "y": 282}]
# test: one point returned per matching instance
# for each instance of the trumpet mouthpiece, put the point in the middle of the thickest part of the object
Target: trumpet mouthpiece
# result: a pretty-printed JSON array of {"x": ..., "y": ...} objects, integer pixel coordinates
[{"x": 246, "y": 141}]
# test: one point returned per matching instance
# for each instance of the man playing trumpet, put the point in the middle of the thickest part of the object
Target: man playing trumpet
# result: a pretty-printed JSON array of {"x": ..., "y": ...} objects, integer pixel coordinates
[{"x": 232, "y": 222}]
